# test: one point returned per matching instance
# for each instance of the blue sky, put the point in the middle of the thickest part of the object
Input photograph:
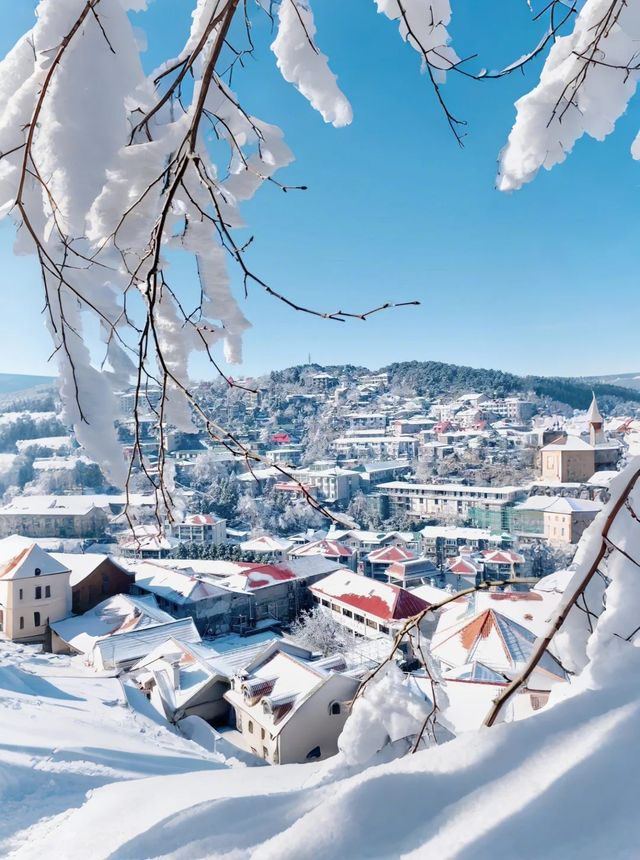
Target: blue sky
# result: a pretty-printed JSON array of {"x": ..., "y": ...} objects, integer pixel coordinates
[{"x": 541, "y": 281}]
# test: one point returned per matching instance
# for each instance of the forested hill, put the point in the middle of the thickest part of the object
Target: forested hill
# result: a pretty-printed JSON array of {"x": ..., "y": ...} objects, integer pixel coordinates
[{"x": 434, "y": 378}]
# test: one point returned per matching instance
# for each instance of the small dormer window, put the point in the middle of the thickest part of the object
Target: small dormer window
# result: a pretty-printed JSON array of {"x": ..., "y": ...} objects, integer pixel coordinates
[
  {"x": 37, "y": 571},
  {"x": 334, "y": 709}
]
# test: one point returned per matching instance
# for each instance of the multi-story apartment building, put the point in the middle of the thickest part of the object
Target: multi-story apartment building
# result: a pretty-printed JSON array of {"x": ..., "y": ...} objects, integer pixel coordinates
[
  {"x": 511, "y": 407},
  {"x": 333, "y": 484},
  {"x": 442, "y": 542},
  {"x": 448, "y": 500},
  {"x": 376, "y": 447},
  {"x": 367, "y": 420},
  {"x": 201, "y": 528}
]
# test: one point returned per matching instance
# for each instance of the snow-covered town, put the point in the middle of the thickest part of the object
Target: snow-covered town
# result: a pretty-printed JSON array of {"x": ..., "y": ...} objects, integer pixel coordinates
[
  {"x": 319, "y": 430},
  {"x": 254, "y": 621}
]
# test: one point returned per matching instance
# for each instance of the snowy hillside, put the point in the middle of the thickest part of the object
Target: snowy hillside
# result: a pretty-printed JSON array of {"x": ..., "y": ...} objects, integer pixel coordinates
[
  {"x": 561, "y": 785},
  {"x": 64, "y": 732}
]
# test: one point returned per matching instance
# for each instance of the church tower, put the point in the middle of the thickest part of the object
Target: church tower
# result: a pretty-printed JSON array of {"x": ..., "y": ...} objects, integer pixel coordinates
[{"x": 596, "y": 421}]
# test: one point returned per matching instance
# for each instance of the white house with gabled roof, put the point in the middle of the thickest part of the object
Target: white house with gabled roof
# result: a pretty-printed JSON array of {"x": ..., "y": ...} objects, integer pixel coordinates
[
  {"x": 34, "y": 589},
  {"x": 291, "y": 708}
]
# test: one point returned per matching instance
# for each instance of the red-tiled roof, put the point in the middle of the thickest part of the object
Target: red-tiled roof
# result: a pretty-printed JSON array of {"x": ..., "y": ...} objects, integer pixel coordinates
[
  {"x": 281, "y": 438},
  {"x": 384, "y": 601},
  {"x": 462, "y": 565},
  {"x": 201, "y": 520},
  {"x": 259, "y": 575},
  {"x": 389, "y": 554},
  {"x": 329, "y": 548},
  {"x": 502, "y": 556}
]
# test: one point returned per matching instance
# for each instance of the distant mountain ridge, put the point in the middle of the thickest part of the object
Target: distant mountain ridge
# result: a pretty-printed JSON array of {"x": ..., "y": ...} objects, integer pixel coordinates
[
  {"x": 438, "y": 379},
  {"x": 626, "y": 380},
  {"x": 11, "y": 383},
  {"x": 435, "y": 377}
]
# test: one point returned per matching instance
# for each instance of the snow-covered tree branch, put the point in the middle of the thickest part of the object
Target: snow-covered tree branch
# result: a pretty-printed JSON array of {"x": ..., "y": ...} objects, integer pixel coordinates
[{"x": 108, "y": 171}]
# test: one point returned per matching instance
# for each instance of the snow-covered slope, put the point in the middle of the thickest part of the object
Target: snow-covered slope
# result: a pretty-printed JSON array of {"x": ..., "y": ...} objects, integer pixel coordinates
[
  {"x": 561, "y": 785},
  {"x": 64, "y": 732}
]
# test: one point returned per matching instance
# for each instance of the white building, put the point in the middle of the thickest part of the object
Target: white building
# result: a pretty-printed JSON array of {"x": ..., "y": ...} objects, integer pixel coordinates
[
  {"x": 34, "y": 589},
  {"x": 333, "y": 484},
  {"x": 424, "y": 500},
  {"x": 367, "y": 420},
  {"x": 376, "y": 447},
  {"x": 365, "y": 606},
  {"x": 201, "y": 528},
  {"x": 290, "y": 708}
]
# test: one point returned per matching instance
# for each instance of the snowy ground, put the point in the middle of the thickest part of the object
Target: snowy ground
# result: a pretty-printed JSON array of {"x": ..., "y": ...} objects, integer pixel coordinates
[
  {"x": 82, "y": 774},
  {"x": 65, "y": 732}
]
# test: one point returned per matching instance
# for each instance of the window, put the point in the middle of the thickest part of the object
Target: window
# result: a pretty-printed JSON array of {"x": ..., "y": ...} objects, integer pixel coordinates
[
  {"x": 335, "y": 708},
  {"x": 383, "y": 629},
  {"x": 38, "y": 592},
  {"x": 265, "y": 753},
  {"x": 47, "y": 591},
  {"x": 20, "y": 594},
  {"x": 21, "y": 623},
  {"x": 250, "y": 726},
  {"x": 37, "y": 571},
  {"x": 314, "y": 753},
  {"x": 263, "y": 734},
  {"x": 36, "y": 619},
  {"x": 105, "y": 583}
]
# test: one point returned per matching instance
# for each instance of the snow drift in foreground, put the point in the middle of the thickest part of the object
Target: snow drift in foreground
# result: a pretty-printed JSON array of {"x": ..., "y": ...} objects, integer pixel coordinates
[{"x": 560, "y": 785}]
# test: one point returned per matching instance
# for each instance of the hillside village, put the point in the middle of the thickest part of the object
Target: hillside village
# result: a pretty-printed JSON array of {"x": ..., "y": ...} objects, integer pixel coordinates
[{"x": 262, "y": 616}]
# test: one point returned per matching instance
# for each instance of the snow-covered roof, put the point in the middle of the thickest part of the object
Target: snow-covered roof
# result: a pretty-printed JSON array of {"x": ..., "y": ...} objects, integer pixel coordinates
[
  {"x": 328, "y": 548},
  {"x": 501, "y": 556},
  {"x": 177, "y": 586},
  {"x": 279, "y": 683},
  {"x": 390, "y": 554},
  {"x": 235, "y": 575},
  {"x": 22, "y": 558},
  {"x": 532, "y": 609},
  {"x": 195, "y": 667},
  {"x": 560, "y": 505},
  {"x": 381, "y": 600},
  {"x": 201, "y": 520},
  {"x": 602, "y": 479},
  {"x": 593, "y": 414},
  {"x": 555, "y": 583},
  {"x": 53, "y": 442},
  {"x": 433, "y": 595},
  {"x": 147, "y": 539},
  {"x": 464, "y": 566},
  {"x": 266, "y": 543},
  {"x": 412, "y": 567},
  {"x": 49, "y": 506},
  {"x": 81, "y": 564},
  {"x": 490, "y": 638},
  {"x": 54, "y": 464},
  {"x": 568, "y": 443},
  {"x": 116, "y": 615},
  {"x": 475, "y": 671},
  {"x": 112, "y": 651}
]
